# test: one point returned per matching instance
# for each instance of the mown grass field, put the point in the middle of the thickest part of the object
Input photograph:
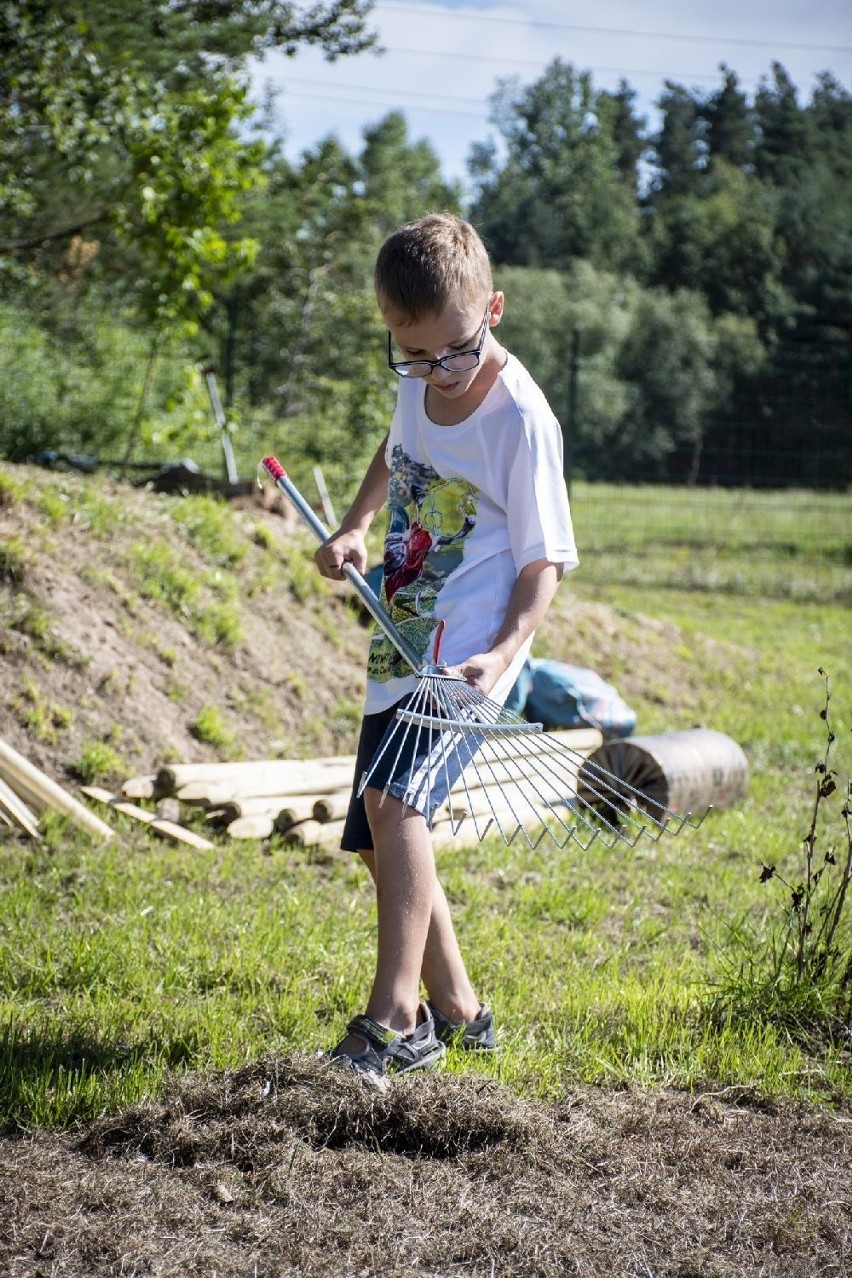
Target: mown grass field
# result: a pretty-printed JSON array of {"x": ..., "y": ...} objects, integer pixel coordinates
[
  {"x": 795, "y": 543},
  {"x": 121, "y": 964}
]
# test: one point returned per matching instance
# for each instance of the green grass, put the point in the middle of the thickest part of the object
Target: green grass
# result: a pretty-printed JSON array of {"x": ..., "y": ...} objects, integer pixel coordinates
[
  {"x": 120, "y": 964},
  {"x": 210, "y": 728},
  {"x": 793, "y": 544},
  {"x": 99, "y": 761}
]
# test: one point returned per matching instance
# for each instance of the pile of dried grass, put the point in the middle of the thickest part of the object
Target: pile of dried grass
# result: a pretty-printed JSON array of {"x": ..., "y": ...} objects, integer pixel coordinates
[{"x": 286, "y": 1168}]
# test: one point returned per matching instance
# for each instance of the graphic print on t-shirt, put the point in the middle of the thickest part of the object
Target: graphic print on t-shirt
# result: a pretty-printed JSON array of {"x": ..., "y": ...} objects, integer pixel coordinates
[{"x": 428, "y": 521}]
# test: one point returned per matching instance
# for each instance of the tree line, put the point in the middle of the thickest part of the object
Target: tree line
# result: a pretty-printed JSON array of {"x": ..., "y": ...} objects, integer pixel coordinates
[{"x": 683, "y": 293}]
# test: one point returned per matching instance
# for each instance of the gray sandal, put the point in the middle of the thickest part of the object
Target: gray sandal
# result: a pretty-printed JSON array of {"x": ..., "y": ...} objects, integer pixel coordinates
[
  {"x": 472, "y": 1036},
  {"x": 386, "y": 1052}
]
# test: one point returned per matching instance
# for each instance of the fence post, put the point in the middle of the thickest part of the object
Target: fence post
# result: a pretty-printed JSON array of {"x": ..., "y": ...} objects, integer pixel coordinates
[{"x": 569, "y": 434}]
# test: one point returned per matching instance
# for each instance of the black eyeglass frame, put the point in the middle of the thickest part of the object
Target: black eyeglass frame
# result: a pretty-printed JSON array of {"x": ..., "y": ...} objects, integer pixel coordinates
[{"x": 400, "y": 366}]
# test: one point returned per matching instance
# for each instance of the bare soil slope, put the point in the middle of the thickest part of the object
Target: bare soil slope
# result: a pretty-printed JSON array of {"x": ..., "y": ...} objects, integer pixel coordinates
[{"x": 124, "y": 615}]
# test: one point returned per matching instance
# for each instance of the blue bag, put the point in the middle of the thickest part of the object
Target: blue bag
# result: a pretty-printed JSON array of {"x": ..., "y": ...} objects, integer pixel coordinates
[
  {"x": 563, "y": 696},
  {"x": 521, "y": 689}
]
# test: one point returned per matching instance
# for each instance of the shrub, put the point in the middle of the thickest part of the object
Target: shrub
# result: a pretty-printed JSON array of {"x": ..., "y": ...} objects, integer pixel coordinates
[{"x": 798, "y": 974}]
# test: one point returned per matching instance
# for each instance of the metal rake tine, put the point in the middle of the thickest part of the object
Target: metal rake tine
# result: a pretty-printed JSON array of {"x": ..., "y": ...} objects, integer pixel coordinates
[
  {"x": 533, "y": 759},
  {"x": 658, "y": 831},
  {"x": 529, "y": 757},
  {"x": 536, "y": 765},
  {"x": 623, "y": 790},
  {"x": 696, "y": 825},
  {"x": 396, "y": 734},
  {"x": 571, "y": 836},
  {"x": 531, "y": 842}
]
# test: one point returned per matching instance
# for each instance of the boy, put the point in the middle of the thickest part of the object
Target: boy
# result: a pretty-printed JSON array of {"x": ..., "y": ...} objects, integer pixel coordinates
[{"x": 479, "y": 534}]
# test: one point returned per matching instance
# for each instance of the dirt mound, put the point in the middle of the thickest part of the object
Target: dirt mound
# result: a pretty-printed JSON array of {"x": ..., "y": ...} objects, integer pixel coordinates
[
  {"x": 165, "y": 628},
  {"x": 285, "y": 1167}
]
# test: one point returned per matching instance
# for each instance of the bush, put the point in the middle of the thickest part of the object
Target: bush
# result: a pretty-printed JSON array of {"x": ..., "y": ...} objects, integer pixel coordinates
[{"x": 798, "y": 974}]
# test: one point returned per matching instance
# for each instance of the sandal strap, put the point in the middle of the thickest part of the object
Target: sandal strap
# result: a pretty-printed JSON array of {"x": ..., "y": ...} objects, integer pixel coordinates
[{"x": 377, "y": 1035}]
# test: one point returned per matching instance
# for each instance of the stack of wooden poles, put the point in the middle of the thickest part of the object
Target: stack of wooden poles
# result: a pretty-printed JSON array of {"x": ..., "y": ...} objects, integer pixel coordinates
[{"x": 305, "y": 800}]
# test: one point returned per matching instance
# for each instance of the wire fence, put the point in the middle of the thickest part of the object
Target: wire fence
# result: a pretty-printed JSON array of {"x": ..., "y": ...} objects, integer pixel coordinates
[{"x": 780, "y": 534}]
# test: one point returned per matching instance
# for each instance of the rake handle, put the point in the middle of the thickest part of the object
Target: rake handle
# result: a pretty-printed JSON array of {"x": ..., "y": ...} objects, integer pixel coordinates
[{"x": 370, "y": 599}]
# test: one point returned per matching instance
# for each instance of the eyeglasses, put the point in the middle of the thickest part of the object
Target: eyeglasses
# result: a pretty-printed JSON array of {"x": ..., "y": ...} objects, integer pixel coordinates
[{"x": 462, "y": 362}]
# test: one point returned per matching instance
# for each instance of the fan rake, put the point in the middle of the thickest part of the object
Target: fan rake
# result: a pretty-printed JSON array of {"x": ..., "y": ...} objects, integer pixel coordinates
[{"x": 515, "y": 778}]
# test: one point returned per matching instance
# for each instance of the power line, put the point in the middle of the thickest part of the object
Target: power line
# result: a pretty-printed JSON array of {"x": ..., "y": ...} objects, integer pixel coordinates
[
  {"x": 623, "y": 31},
  {"x": 540, "y": 65},
  {"x": 402, "y": 95}
]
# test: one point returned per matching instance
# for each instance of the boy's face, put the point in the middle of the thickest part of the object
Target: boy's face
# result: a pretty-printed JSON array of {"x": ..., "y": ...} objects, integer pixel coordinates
[{"x": 459, "y": 327}]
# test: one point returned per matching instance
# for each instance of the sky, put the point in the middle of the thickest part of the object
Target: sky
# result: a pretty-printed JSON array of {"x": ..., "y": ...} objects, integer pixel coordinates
[{"x": 442, "y": 60}]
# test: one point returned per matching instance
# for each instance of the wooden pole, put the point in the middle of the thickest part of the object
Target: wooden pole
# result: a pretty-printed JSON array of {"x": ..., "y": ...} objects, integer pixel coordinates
[
  {"x": 42, "y": 792},
  {"x": 15, "y": 812}
]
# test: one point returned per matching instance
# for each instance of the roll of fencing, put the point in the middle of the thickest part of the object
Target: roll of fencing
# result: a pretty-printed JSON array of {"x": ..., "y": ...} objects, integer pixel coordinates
[{"x": 686, "y": 772}]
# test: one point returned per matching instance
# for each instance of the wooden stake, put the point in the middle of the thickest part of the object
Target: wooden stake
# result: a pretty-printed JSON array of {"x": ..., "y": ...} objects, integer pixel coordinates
[
  {"x": 168, "y": 829},
  {"x": 15, "y": 812},
  {"x": 37, "y": 789},
  {"x": 174, "y": 777},
  {"x": 140, "y": 788}
]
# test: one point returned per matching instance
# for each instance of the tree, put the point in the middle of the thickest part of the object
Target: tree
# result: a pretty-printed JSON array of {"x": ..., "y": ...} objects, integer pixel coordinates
[
  {"x": 86, "y": 88},
  {"x": 194, "y": 39},
  {"x": 401, "y": 179},
  {"x": 784, "y": 129},
  {"x": 678, "y": 145},
  {"x": 124, "y": 145},
  {"x": 729, "y": 120},
  {"x": 559, "y": 194},
  {"x": 679, "y": 363},
  {"x": 724, "y": 243},
  {"x": 628, "y": 132},
  {"x": 309, "y": 340}
]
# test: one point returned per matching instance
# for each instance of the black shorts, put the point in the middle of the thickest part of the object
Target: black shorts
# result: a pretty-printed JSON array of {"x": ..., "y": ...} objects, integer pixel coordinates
[{"x": 441, "y": 764}]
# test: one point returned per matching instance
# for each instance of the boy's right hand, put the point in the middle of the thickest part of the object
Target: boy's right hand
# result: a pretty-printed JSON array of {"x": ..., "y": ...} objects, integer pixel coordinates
[{"x": 342, "y": 548}]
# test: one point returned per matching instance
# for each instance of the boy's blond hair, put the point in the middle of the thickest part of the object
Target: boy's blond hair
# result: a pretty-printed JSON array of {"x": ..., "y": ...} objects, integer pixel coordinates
[{"x": 425, "y": 265}]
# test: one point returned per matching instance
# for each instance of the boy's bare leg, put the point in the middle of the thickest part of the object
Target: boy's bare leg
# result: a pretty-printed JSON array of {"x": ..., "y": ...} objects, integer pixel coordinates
[
  {"x": 405, "y": 886},
  {"x": 403, "y": 868},
  {"x": 442, "y": 968}
]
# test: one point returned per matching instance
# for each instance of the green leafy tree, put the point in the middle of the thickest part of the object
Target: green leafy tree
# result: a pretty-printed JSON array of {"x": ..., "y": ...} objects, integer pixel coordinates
[
  {"x": 679, "y": 363},
  {"x": 785, "y": 136},
  {"x": 628, "y": 132},
  {"x": 194, "y": 39},
  {"x": 559, "y": 194},
  {"x": 302, "y": 323},
  {"x": 101, "y": 110},
  {"x": 124, "y": 150},
  {"x": 724, "y": 243}
]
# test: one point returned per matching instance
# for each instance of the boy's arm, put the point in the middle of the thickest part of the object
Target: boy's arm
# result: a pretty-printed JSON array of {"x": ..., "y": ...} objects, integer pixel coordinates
[
  {"x": 347, "y": 544},
  {"x": 529, "y": 601}
]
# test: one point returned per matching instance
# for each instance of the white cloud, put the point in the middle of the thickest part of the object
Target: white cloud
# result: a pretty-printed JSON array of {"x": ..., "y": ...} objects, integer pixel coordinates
[{"x": 443, "y": 60}]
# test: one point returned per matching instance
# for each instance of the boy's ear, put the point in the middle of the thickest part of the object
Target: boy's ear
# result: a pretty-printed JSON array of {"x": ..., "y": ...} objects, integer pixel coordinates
[{"x": 498, "y": 301}]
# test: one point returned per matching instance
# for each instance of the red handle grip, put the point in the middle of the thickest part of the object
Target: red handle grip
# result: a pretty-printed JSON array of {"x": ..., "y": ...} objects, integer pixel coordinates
[
  {"x": 273, "y": 467},
  {"x": 439, "y": 634}
]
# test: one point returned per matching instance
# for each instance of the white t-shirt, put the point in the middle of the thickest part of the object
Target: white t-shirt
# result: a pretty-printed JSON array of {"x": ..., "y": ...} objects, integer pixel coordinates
[{"x": 469, "y": 506}]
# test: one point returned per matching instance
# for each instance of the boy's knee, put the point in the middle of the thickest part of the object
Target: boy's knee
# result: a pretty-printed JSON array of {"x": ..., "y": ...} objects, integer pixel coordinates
[{"x": 381, "y": 809}]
